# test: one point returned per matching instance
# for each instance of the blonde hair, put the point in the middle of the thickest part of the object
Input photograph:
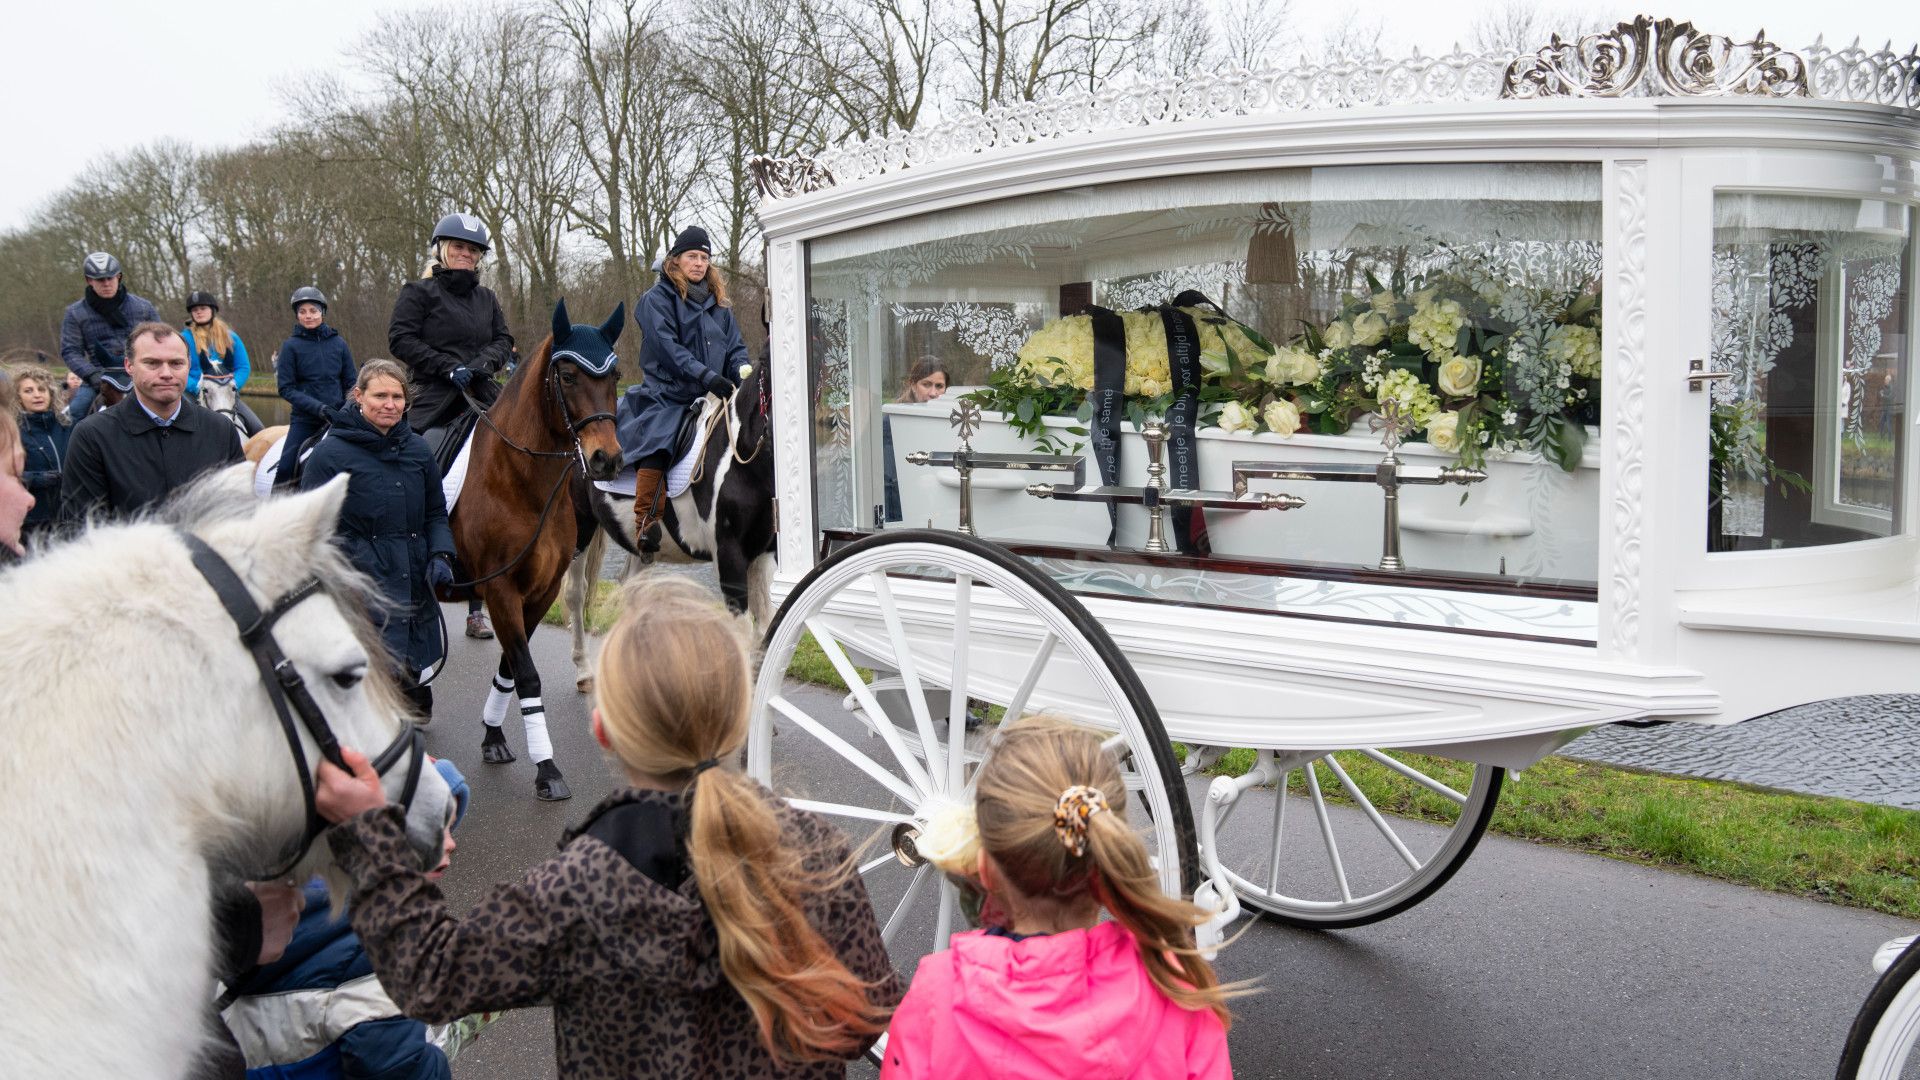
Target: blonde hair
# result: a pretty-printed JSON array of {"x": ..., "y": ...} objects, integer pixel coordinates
[
  {"x": 673, "y": 694},
  {"x": 214, "y": 339},
  {"x": 1034, "y": 762},
  {"x": 43, "y": 376},
  {"x": 715, "y": 279},
  {"x": 384, "y": 369},
  {"x": 13, "y": 452}
]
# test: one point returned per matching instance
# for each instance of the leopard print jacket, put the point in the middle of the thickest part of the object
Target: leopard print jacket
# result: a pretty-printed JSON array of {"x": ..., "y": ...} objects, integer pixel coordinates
[{"x": 630, "y": 966}]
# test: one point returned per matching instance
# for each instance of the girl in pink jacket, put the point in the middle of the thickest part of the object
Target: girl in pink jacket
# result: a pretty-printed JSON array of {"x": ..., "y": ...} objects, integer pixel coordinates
[{"x": 1049, "y": 990}]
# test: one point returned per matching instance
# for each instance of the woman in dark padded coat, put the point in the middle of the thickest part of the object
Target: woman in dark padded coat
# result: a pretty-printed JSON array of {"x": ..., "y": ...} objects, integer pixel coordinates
[
  {"x": 393, "y": 526},
  {"x": 449, "y": 331}
]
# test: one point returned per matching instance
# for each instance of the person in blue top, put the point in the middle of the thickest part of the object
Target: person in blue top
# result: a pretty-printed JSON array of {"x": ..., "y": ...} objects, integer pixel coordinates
[
  {"x": 690, "y": 346},
  {"x": 93, "y": 332},
  {"x": 214, "y": 349},
  {"x": 316, "y": 372},
  {"x": 393, "y": 526},
  {"x": 319, "y": 1013}
]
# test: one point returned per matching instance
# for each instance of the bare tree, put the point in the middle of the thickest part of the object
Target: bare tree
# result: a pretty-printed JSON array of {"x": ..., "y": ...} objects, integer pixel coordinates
[
  {"x": 1517, "y": 27},
  {"x": 1253, "y": 32}
]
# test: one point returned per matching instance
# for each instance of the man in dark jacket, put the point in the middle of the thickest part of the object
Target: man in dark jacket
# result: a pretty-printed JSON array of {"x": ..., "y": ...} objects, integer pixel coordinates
[
  {"x": 135, "y": 454},
  {"x": 93, "y": 333}
]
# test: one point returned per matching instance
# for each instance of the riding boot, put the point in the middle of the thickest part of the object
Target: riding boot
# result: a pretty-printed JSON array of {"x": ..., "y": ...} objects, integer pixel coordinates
[{"x": 648, "y": 496}]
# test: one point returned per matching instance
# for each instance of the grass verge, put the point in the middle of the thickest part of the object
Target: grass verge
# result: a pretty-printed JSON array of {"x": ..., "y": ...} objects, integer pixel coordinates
[{"x": 1843, "y": 852}]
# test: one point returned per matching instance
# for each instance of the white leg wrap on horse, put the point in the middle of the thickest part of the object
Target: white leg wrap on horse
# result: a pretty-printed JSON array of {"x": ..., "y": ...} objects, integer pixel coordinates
[
  {"x": 494, "y": 713},
  {"x": 534, "y": 715}
]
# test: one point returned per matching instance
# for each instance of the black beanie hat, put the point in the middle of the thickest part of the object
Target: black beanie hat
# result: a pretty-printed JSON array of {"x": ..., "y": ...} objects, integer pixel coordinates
[{"x": 692, "y": 238}]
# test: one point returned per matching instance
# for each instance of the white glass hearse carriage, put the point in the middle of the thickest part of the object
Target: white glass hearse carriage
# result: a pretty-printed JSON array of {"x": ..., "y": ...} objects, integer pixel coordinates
[{"x": 1395, "y": 422}]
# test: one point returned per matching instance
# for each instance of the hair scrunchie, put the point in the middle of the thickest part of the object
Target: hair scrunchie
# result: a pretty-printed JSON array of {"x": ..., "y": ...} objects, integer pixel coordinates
[{"x": 1070, "y": 814}]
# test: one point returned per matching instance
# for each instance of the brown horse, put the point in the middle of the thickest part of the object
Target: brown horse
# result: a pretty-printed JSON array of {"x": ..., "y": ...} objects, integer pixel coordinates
[{"x": 514, "y": 524}]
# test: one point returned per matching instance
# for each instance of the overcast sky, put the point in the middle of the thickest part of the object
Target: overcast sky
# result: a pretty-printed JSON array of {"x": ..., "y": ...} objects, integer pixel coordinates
[{"x": 85, "y": 78}]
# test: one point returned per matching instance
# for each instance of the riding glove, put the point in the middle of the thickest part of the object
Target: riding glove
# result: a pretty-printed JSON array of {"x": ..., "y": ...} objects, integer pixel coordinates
[
  {"x": 462, "y": 377},
  {"x": 719, "y": 385},
  {"x": 440, "y": 568}
]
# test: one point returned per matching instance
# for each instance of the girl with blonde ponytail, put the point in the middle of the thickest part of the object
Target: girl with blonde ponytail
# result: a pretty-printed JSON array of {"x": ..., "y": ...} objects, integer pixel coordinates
[
  {"x": 1048, "y": 989},
  {"x": 694, "y": 926}
]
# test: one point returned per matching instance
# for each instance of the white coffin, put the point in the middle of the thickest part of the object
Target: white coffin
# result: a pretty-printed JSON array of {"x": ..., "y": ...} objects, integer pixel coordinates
[{"x": 1529, "y": 518}]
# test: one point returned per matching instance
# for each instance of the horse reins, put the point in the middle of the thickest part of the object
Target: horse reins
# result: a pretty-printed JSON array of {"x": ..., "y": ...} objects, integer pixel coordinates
[
  {"x": 284, "y": 684},
  {"x": 700, "y": 467}
]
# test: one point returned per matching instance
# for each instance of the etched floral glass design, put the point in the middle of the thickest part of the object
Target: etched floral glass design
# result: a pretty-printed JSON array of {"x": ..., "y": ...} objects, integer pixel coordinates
[
  {"x": 1468, "y": 296},
  {"x": 1811, "y": 299}
]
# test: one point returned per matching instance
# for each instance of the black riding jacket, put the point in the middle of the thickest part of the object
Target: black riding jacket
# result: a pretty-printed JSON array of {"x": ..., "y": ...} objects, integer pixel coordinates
[{"x": 441, "y": 323}]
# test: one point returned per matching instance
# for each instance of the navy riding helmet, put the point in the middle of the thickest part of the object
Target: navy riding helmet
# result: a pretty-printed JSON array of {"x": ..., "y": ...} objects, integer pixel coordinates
[
  {"x": 463, "y": 227},
  {"x": 307, "y": 294},
  {"x": 100, "y": 266}
]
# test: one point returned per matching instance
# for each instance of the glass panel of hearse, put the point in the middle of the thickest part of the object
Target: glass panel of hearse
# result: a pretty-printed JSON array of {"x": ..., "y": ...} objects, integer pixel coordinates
[
  {"x": 1811, "y": 299},
  {"x": 1310, "y": 315}
]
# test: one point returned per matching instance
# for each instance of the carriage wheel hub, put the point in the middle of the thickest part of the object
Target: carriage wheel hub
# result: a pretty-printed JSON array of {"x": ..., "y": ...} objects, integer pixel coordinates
[{"x": 904, "y": 835}]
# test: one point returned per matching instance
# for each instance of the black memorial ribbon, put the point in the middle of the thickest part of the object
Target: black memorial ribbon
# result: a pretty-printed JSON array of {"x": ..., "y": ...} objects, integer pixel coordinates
[
  {"x": 1109, "y": 401},
  {"x": 1183, "y": 453}
]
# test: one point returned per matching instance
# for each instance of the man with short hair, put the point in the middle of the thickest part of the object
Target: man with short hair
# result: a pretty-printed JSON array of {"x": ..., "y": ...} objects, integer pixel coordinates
[
  {"x": 93, "y": 333},
  {"x": 133, "y": 455}
]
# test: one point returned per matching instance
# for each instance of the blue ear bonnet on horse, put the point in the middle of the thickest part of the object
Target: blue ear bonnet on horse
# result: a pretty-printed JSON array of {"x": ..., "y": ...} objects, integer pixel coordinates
[{"x": 591, "y": 347}]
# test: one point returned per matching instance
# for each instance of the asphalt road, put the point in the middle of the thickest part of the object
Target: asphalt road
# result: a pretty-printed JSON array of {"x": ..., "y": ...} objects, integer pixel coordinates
[{"x": 1532, "y": 962}]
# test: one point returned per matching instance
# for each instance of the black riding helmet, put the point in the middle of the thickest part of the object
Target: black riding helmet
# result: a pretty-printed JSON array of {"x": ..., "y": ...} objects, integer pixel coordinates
[
  {"x": 202, "y": 298},
  {"x": 100, "y": 266},
  {"x": 463, "y": 227},
  {"x": 307, "y": 294}
]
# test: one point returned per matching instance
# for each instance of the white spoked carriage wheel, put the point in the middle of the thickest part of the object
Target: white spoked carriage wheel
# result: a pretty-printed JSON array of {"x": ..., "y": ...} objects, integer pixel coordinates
[
  {"x": 941, "y": 621},
  {"x": 1880, "y": 1045},
  {"x": 1340, "y": 839}
]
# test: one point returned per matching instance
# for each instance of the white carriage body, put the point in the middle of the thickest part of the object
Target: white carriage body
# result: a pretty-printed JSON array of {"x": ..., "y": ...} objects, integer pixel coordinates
[{"x": 1551, "y": 599}]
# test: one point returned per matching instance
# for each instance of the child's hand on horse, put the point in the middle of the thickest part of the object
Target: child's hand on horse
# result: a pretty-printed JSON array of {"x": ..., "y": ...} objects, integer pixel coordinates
[{"x": 339, "y": 795}]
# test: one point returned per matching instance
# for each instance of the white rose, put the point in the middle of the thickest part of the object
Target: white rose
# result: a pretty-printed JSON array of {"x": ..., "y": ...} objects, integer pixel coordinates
[
  {"x": 1460, "y": 376},
  {"x": 1150, "y": 388},
  {"x": 1292, "y": 366},
  {"x": 1338, "y": 335},
  {"x": 1236, "y": 419},
  {"x": 949, "y": 835},
  {"x": 1384, "y": 301},
  {"x": 1282, "y": 417},
  {"x": 1443, "y": 432},
  {"x": 1369, "y": 329}
]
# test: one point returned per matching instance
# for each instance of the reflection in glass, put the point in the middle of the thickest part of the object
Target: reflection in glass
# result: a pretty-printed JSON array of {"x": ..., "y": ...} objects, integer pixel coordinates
[
  {"x": 1810, "y": 302},
  {"x": 1465, "y": 298}
]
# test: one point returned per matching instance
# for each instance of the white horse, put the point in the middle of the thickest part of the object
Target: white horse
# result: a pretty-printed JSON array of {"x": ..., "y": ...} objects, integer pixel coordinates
[
  {"x": 144, "y": 760},
  {"x": 217, "y": 394}
]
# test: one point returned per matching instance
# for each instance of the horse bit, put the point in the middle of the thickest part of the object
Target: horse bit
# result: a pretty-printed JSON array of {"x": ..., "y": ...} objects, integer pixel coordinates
[{"x": 284, "y": 684}]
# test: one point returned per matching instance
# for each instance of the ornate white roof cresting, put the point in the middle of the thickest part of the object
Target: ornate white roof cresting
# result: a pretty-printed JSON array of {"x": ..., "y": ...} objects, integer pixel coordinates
[{"x": 1644, "y": 58}]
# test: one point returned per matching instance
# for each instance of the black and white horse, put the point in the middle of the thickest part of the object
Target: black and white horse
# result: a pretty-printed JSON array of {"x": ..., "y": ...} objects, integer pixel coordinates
[{"x": 725, "y": 516}]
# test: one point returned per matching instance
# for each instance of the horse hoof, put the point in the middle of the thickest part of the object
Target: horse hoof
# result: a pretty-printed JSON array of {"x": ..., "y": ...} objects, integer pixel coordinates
[
  {"x": 549, "y": 785},
  {"x": 494, "y": 749}
]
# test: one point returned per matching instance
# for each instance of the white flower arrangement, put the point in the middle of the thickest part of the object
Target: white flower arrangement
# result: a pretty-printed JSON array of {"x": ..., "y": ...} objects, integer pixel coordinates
[
  {"x": 1435, "y": 326},
  {"x": 1237, "y": 419},
  {"x": 1578, "y": 347},
  {"x": 1459, "y": 376}
]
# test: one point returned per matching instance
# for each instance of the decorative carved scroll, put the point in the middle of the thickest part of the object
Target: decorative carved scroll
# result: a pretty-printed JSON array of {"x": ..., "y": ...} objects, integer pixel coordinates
[
  {"x": 783, "y": 178},
  {"x": 1657, "y": 58}
]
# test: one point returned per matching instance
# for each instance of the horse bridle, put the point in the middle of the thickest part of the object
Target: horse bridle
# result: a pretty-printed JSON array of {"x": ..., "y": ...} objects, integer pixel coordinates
[
  {"x": 574, "y": 427},
  {"x": 284, "y": 684}
]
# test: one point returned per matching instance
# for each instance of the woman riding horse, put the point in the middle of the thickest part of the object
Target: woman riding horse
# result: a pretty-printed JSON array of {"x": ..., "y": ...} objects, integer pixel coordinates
[
  {"x": 690, "y": 347},
  {"x": 450, "y": 332},
  {"x": 214, "y": 349}
]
